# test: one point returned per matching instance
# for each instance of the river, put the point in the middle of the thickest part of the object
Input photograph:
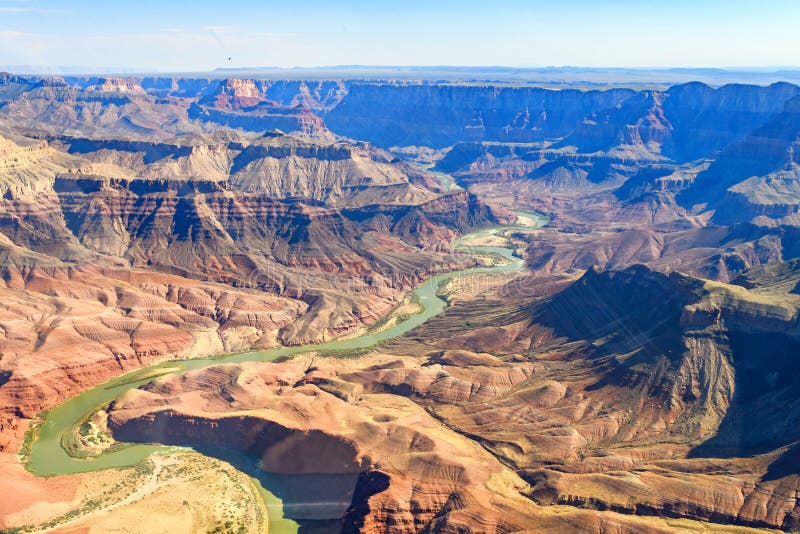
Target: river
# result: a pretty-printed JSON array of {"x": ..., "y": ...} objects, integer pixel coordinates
[{"x": 47, "y": 456}]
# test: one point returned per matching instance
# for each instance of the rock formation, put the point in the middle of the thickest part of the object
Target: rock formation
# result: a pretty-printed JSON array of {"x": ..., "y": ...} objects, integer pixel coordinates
[
  {"x": 629, "y": 391},
  {"x": 641, "y": 377},
  {"x": 134, "y": 252},
  {"x": 648, "y": 394}
]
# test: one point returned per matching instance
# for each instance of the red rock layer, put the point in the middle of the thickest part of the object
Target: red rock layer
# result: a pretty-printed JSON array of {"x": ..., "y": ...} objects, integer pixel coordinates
[
  {"x": 646, "y": 394},
  {"x": 403, "y": 471},
  {"x": 63, "y": 330}
]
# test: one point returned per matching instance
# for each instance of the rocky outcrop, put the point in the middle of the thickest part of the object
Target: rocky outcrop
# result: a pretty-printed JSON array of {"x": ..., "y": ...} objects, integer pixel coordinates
[
  {"x": 233, "y": 93},
  {"x": 65, "y": 329},
  {"x": 394, "y": 467},
  {"x": 279, "y": 166},
  {"x": 718, "y": 253},
  {"x": 685, "y": 123},
  {"x": 378, "y": 461},
  {"x": 175, "y": 206},
  {"x": 628, "y": 392},
  {"x": 565, "y": 142},
  {"x": 638, "y": 126},
  {"x": 755, "y": 178},
  {"x": 315, "y": 95},
  {"x": 650, "y": 394},
  {"x": 88, "y": 229},
  {"x": 262, "y": 118},
  {"x": 692, "y": 151},
  {"x": 147, "y": 108},
  {"x": 200, "y": 227},
  {"x": 117, "y": 85},
  {"x": 246, "y": 104},
  {"x": 707, "y": 120}
]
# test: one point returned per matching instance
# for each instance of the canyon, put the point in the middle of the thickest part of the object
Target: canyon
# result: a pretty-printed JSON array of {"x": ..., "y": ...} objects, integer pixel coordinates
[{"x": 628, "y": 366}]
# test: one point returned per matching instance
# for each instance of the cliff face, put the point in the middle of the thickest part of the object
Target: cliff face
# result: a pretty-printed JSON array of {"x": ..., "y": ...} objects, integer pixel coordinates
[
  {"x": 650, "y": 394},
  {"x": 394, "y": 468},
  {"x": 707, "y": 120},
  {"x": 756, "y": 177},
  {"x": 318, "y": 95},
  {"x": 235, "y": 94},
  {"x": 232, "y": 93},
  {"x": 566, "y": 142},
  {"x": 131, "y": 252},
  {"x": 685, "y": 123},
  {"x": 622, "y": 188},
  {"x": 718, "y": 252},
  {"x": 693, "y": 151},
  {"x": 277, "y": 165},
  {"x": 162, "y": 107},
  {"x": 259, "y": 105},
  {"x": 100, "y": 110},
  {"x": 185, "y": 225},
  {"x": 117, "y": 85},
  {"x": 376, "y": 460},
  {"x": 232, "y": 233},
  {"x": 442, "y": 115},
  {"x": 67, "y": 328}
]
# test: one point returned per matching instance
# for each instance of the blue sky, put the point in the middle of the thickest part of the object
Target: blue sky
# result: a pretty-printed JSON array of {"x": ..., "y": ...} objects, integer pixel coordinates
[{"x": 181, "y": 35}]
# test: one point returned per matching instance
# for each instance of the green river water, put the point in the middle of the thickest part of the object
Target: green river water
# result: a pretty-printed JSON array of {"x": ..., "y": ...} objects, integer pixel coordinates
[{"x": 48, "y": 457}]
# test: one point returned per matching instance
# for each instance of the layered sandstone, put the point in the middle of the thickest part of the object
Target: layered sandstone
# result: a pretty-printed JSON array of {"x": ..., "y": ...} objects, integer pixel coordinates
[
  {"x": 279, "y": 166},
  {"x": 133, "y": 252},
  {"x": 648, "y": 394},
  {"x": 379, "y": 461},
  {"x": 65, "y": 329}
]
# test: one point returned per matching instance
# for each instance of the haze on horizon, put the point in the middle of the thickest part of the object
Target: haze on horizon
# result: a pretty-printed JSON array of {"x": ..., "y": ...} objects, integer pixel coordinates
[{"x": 203, "y": 35}]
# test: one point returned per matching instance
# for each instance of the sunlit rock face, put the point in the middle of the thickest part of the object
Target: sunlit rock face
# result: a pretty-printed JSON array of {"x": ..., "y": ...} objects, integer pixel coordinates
[
  {"x": 628, "y": 390},
  {"x": 643, "y": 368},
  {"x": 649, "y": 393},
  {"x": 133, "y": 252},
  {"x": 386, "y": 462}
]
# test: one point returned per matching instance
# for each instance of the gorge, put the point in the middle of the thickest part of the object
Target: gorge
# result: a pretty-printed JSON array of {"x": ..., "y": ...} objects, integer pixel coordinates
[{"x": 401, "y": 306}]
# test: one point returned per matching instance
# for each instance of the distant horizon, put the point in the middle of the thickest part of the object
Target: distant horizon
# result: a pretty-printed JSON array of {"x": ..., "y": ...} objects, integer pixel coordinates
[
  {"x": 562, "y": 77},
  {"x": 34, "y": 69},
  {"x": 155, "y": 36}
]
